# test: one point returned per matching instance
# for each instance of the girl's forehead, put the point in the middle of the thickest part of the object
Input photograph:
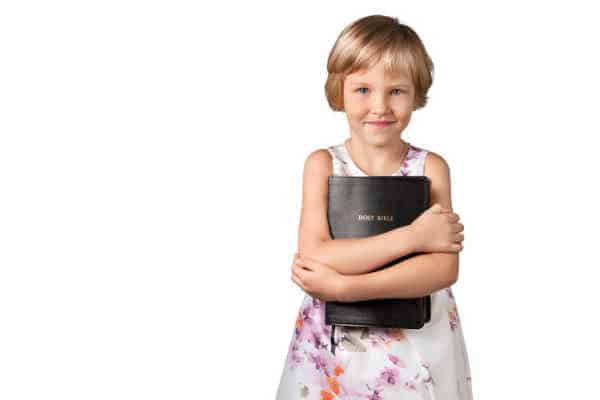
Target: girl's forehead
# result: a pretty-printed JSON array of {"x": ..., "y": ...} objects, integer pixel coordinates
[{"x": 376, "y": 74}]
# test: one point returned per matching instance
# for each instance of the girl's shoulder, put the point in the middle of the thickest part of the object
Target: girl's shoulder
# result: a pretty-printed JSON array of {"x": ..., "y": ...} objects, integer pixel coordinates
[
  {"x": 433, "y": 161},
  {"x": 320, "y": 161},
  {"x": 327, "y": 161}
]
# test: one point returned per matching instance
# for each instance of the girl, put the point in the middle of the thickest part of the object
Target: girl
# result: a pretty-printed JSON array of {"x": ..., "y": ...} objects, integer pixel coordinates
[{"x": 379, "y": 73}]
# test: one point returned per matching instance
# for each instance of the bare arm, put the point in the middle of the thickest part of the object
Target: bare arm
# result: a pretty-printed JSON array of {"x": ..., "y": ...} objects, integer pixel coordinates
[
  {"x": 347, "y": 256},
  {"x": 417, "y": 276},
  {"x": 362, "y": 255}
]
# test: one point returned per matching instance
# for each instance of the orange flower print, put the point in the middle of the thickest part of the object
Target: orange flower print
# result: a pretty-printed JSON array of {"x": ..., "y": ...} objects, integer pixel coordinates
[
  {"x": 333, "y": 385},
  {"x": 396, "y": 334},
  {"x": 326, "y": 395},
  {"x": 338, "y": 370},
  {"x": 299, "y": 321}
]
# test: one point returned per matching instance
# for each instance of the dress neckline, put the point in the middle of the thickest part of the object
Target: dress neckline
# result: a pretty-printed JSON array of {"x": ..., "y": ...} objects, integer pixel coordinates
[{"x": 360, "y": 172}]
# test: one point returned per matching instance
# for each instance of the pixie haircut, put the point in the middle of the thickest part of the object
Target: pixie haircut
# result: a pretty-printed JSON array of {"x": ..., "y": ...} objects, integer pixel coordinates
[{"x": 370, "y": 39}]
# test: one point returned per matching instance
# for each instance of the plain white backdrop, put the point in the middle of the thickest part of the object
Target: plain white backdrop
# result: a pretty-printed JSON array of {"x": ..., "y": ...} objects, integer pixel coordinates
[{"x": 151, "y": 159}]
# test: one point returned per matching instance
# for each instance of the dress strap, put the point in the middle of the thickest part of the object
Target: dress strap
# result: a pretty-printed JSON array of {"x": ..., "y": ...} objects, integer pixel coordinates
[
  {"x": 415, "y": 161},
  {"x": 340, "y": 165}
]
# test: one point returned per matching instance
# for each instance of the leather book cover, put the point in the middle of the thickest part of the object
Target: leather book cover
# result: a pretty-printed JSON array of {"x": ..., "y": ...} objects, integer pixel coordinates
[{"x": 361, "y": 206}]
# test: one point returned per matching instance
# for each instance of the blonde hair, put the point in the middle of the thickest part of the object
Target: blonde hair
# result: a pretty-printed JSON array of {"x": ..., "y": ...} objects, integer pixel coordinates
[{"x": 378, "y": 37}]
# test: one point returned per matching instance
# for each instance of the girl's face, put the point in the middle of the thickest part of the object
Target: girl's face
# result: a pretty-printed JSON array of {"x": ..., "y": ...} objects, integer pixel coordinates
[{"x": 372, "y": 95}]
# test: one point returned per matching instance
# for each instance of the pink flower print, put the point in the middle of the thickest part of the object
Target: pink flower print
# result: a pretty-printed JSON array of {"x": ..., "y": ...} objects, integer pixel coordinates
[
  {"x": 376, "y": 341},
  {"x": 316, "y": 302},
  {"x": 316, "y": 340},
  {"x": 389, "y": 376},
  {"x": 320, "y": 362},
  {"x": 396, "y": 361},
  {"x": 411, "y": 155},
  {"x": 346, "y": 170},
  {"x": 453, "y": 318},
  {"x": 375, "y": 395},
  {"x": 426, "y": 373},
  {"x": 307, "y": 310},
  {"x": 410, "y": 385},
  {"x": 295, "y": 358}
]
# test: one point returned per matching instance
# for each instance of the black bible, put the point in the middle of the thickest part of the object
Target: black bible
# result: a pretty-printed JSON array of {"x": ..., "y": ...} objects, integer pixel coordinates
[{"x": 361, "y": 206}]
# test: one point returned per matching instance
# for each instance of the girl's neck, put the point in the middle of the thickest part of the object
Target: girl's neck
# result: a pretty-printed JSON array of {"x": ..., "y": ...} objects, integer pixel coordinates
[{"x": 377, "y": 160}]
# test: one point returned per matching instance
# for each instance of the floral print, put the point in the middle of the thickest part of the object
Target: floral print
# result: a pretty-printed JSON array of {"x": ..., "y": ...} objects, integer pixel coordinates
[{"x": 377, "y": 363}]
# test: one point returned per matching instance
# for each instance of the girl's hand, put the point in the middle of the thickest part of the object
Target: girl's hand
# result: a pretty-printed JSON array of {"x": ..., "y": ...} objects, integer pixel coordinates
[
  {"x": 437, "y": 230},
  {"x": 317, "y": 279}
]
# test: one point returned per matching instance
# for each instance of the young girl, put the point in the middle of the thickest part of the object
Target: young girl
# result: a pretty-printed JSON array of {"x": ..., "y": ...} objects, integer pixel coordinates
[{"x": 379, "y": 73}]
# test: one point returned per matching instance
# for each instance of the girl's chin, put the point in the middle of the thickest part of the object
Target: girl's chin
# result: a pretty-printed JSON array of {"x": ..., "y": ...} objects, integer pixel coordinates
[
  {"x": 381, "y": 134},
  {"x": 379, "y": 139}
]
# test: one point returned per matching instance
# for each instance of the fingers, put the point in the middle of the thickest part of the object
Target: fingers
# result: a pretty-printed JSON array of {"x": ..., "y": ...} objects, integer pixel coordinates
[
  {"x": 298, "y": 277},
  {"x": 295, "y": 278},
  {"x": 297, "y": 281},
  {"x": 300, "y": 261},
  {"x": 451, "y": 217},
  {"x": 300, "y": 268},
  {"x": 306, "y": 263},
  {"x": 297, "y": 272},
  {"x": 457, "y": 244}
]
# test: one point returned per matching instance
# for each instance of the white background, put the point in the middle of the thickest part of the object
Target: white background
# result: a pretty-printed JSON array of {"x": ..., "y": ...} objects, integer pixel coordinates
[{"x": 151, "y": 158}]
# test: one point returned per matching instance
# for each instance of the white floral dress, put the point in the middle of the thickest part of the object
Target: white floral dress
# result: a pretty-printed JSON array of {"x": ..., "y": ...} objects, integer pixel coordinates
[{"x": 377, "y": 363}]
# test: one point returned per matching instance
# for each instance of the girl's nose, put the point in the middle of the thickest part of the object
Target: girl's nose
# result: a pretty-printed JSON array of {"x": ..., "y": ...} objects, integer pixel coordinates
[{"x": 379, "y": 104}]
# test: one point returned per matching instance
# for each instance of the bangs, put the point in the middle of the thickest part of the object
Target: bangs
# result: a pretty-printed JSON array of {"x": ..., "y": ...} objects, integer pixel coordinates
[{"x": 397, "y": 60}]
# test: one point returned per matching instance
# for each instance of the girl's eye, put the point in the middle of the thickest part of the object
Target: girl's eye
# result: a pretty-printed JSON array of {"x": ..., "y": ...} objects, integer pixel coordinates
[{"x": 359, "y": 90}]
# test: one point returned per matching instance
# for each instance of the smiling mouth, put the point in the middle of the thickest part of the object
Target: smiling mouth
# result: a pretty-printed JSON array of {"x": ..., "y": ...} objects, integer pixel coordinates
[{"x": 384, "y": 123}]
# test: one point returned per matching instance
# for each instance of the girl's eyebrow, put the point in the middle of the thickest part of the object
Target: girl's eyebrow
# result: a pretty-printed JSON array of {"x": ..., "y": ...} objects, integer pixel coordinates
[{"x": 394, "y": 84}]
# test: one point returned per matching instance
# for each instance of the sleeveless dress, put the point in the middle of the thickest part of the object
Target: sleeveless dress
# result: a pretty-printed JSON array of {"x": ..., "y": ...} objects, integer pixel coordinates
[{"x": 377, "y": 363}]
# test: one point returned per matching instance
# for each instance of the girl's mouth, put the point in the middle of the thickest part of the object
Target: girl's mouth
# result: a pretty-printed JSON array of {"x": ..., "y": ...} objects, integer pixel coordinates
[{"x": 380, "y": 124}]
